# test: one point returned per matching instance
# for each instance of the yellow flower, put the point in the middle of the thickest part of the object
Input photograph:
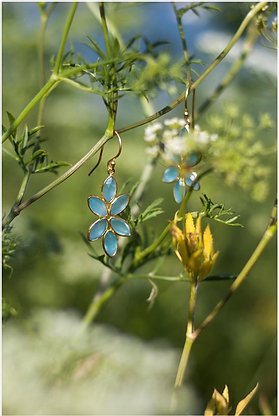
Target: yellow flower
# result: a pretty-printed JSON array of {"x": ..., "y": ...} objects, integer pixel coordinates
[
  {"x": 193, "y": 247},
  {"x": 219, "y": 404}
]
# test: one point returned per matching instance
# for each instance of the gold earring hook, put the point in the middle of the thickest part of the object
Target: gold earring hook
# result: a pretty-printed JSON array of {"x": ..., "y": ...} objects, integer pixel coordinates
[
  {"x": 111, "y": 162},
  {"x": 186, "y": 111}
]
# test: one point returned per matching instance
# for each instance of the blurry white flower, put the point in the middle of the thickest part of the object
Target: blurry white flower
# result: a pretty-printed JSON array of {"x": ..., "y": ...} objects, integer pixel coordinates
[
  {"x": 150, "y": 137},
  {"x": 176, "y": 146},
  {"x": 174, "y": 122},
  {"x": 152, "y": 151}
]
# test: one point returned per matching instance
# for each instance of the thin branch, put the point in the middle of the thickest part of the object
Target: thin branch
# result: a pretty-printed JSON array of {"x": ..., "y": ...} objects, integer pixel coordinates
[
  {"x": 249, "y": 17},
  {"x": 64, "y": 38},
  {"x": 252, "y": 36},
  {"x": 52, "y": 82},
  {"x": 267, "y": 236}
]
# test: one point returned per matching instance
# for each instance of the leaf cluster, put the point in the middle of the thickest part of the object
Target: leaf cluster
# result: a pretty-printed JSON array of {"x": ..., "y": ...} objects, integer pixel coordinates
[
  {"x": 218, "y": 212},
  {"x": 194, "y": 7},
  {"x": 28, "y": 153}
]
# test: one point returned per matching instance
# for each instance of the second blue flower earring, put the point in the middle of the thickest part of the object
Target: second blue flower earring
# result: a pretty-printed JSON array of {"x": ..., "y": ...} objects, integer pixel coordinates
[{"x": 107, "y": 208}]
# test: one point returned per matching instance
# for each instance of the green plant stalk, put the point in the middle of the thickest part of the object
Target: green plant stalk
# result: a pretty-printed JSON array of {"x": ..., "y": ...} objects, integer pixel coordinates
[
  {"x": 53, "y": 81},
  {"x": 105, "y": 280},
  {"x": 194, "y": 333},
  {"x": 246, "y": 21},
  {"x": 252, "y": 36},
  {"x": 267, "y": 236},
  {"x": 171, "y": 106},
  {"x": 183, "y": 42},
  {"x": 189, "y": 339},
  {"x": 64, "y": 38},
  {"x": 23, "y": 188},
  {"x": 44, "y": 17},
  {"x": 105, "y": 28},
  {"x": 150, "y": 249},
  {"x": 97, "y": 303},
  {"x": 16, "y": 210}
]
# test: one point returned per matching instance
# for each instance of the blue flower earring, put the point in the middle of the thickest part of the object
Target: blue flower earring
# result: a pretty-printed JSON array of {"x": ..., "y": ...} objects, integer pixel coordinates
[
  {"x": 180, "y": 170},
  {"x": 107, "y": 208}
]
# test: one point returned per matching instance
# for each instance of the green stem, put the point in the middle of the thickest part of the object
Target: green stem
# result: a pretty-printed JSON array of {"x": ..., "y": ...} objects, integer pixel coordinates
[
  {"x": 47, "y": 88},
  {"x": 190, "y": 338},
  {"x": 267, "y": 236},
  {"x": 106, "y": 277},
  {"x": 235, "y": 68},
  {"x": 105, "y": 28},
  {"x": 23, "y": 187},
  {"x": 248, "y": 18},
  {"x": 53, "y": 81},
  {"x": 61, "y": 179},
  {"x": 42, "y": 93},
  {"x": 150, "y": 249},
  {"x": 64, "y": 38},
  {"x": 97, "y": 303},
  {"x": 183, "y": 42}
]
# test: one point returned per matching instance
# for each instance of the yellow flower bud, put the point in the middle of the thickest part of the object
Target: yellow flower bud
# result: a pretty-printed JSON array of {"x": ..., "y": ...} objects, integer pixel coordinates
[{"x": 193, "y": 247}]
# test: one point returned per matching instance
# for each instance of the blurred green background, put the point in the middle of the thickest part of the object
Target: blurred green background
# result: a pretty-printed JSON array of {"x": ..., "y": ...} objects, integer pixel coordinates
[{"x": 52, "y": 269}]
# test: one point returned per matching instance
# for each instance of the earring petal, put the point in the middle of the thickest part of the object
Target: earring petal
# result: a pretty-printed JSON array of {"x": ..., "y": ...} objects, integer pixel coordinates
[
  {"x": 110, "y": 244},
  {"x": 119, "y": 204},
  {"x": 109, "y": 188},
  {"x": 97, "y": 230},
  {"x": 97, "y": 206},
  {"x": 179, "y": 190},
  {"x": 170, "y": 174},
  {"x": 120, "y": 227},
  {"x": 194, "y": 158}
]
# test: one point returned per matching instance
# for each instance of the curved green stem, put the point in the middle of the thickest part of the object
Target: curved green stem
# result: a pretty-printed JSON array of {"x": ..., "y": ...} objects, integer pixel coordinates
[
  {"x": 150, "y": 249},
  {"x": 64, "y": 38},
  {"x": 52, "y": 82},
  {"x": 249, "y": 17},
  {"x": 267, "y": 236},
  {"x": 252, "y": 36},
  {"x": 16, "y": 210},
  {"x": 189, "y": 339},
  {"x": 97, "y": 303}
]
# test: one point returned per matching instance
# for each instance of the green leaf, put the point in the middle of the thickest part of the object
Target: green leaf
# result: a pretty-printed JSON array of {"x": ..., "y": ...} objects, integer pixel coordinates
[
  {"x": 212, "y": 7},
  {"x": 38, "y": 154},
  {"x": 51, "y": 167},
  {"x": 96, "y": 48},
  {"x": 11, "y": 118},
  {"x": 217, "y": 212},
  {"x": 151, "y": 211}
]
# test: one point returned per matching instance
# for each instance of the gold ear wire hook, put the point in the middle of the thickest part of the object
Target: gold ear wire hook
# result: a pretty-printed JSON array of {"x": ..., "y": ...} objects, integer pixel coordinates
[
  {"x": 98, "y": 162},
  {"x": 186, "y": 111},
  {"x": 111, "y": 162}
]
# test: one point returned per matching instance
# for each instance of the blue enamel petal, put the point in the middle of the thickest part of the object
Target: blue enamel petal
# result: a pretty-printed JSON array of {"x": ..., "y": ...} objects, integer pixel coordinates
[
  {"x": 120, "y": 227},
  {"x": 179, "y": 191},
  {"x": 97, "y": 230},
  {"x": 109, "y": 188},
  {"x": 119, "y": 204},
  {"x": 183, "y": 132},
  {"x": 170, "y": 174},
  {"x": 190, "y": 179},
  {"x": 193, "y": 159},
  {"x": 97, "y": 206},
  {"x": 110, "y": 244}
]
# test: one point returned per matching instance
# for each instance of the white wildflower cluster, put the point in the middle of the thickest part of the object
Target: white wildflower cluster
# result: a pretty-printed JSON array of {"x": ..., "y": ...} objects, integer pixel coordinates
[{"x": 171, "y": 139}]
